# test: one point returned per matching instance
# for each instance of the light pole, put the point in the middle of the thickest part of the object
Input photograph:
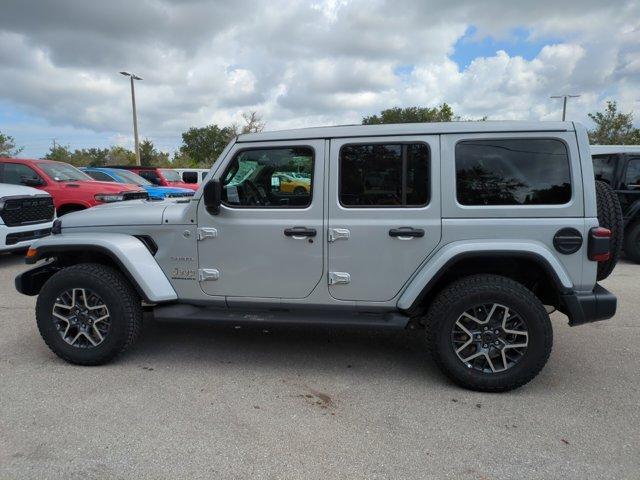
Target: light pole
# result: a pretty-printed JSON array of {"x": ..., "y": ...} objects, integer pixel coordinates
[
  {"x": 564, "y": 103},
  {"x": 133, "y": 77}
]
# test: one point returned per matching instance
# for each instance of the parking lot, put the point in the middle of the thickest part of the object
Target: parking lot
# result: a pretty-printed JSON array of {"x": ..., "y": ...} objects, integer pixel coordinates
[{"x": 221, "y": 402}]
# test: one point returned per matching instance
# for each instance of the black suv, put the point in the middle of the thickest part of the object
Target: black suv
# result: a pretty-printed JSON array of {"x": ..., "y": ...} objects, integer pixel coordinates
[{"x": 619, "y": 166}]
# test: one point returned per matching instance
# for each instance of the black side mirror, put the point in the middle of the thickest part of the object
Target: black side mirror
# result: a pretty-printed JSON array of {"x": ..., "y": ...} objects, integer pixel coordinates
[
  {"x": 31, "y": 182},
  {"x": 212, "y": 195}
]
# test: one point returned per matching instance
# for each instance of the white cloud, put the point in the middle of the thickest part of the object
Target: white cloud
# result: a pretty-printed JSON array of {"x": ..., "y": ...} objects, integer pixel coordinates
[{"x": 301, "y": 63}]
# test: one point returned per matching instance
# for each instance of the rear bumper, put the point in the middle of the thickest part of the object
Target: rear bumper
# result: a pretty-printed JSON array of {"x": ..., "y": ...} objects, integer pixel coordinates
[{"x": 581, "y": 308}]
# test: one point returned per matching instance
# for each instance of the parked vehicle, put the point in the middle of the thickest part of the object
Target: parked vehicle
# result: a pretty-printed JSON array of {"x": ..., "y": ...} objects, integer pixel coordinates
[
  {"x": 126, "y": 176},
  {"x": 26, "y": 214},
  {"x": 619, "y": 167},
  {"x": 71, "y": 189},
  {"x": 289, "y": 184},
  {"x": 481, "y": 229},
  {"x": 164, "y": 177},
  {"x": 192, "y": 175}
]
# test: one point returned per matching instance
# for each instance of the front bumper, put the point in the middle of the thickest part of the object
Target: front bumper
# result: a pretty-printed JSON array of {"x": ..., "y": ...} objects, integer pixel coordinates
[
  {"x": 581, "y": 308},
  {"x": 12, "y": 238}
]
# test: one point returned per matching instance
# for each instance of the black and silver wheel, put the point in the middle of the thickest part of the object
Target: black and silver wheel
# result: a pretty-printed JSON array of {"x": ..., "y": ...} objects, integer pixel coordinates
[
  {"x": 489, "y": 333},
  {"x": 88, "y": 313}
]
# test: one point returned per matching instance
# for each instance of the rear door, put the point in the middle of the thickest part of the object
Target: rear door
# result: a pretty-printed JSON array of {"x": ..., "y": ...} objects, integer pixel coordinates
[{"x": 384, "y": 213}]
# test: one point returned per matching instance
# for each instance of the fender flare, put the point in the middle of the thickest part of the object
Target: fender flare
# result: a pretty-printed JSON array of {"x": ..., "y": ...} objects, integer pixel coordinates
[
  {"x": 447, "y": 256},
  {"x": 130, "y": 255}
]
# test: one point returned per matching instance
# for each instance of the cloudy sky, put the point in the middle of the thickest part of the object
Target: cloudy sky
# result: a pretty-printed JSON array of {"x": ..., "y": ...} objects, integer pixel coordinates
[{"x": 302, "y": 63}]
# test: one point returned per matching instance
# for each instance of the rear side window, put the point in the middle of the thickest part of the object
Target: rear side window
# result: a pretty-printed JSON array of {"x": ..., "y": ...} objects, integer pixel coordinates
[
  {"x": 512, "y": 172},
  {"x": 604, "y": 167},
  {"x": 384, "y": 175},
  {"x": 632, "y": 178}
]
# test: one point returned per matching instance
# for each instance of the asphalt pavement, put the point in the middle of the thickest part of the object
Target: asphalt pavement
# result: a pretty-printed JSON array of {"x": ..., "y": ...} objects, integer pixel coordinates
[{"x": 314, "y": 403}]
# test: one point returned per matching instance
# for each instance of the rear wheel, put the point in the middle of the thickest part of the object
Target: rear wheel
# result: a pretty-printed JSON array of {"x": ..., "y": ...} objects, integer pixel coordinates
[
  {"x": 609, "y": 216},
  {"x": 299, "y": 191},
  {"x": 632, "y": 242},
  {"x": 88, "y": 314},
  {"x": 489, "y": 333}
]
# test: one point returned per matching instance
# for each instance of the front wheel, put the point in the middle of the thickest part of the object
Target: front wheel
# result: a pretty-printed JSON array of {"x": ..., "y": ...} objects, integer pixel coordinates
[
  {"x": 88, "y": 314},
  {"x": 489, "y": 333}
]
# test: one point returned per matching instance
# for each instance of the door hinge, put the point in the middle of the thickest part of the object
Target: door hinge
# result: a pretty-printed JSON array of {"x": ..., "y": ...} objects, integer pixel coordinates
[
  {"x": 208, "y": 274},
  {"x": 339, "y": 277},
  {"x": 338, "y": 234},
  {"x": 204, "y": 233}
]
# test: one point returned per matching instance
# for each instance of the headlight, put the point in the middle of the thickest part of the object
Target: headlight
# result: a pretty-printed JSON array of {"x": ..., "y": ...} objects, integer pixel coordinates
[{"x": 109, "y": 197}]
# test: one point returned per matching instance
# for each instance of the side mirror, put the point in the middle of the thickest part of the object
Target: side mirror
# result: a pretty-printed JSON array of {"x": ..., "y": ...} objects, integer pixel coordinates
[
  {"x": 212, "y": 195},
  {"x": 31, "y": 182}
]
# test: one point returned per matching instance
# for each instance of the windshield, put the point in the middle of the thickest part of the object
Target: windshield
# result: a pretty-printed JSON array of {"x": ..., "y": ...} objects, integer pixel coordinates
[
  {"x": 63, "y": 172},
  {"x": 131, "y": 177},
  {"x": 171, "y": 175}
]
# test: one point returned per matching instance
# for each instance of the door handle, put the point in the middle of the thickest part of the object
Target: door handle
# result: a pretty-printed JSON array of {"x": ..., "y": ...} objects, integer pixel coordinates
[
  {"x": 406, "y": 233},
  {"x": 300, "y": 232}
]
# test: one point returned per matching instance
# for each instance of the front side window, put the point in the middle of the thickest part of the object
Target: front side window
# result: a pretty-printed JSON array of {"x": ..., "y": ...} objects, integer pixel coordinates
[
  {"x": 512, "y": 172},
  {"x": 101, "y": 176},
  {"x": 18, "y": 174},
  {"x": 632, "y": 178},
  {"x": 604, "y": 167},
  {"x": 384, "y": 175},
  {"x": 171, "y": 175},
  {"x": 267, "y": 178}
]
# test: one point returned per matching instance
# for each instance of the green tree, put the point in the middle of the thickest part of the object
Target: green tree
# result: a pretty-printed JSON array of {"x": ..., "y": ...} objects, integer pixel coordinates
[
  {"x": 149, "y": 156},
  {"x": 204, "y": 145},
  {"x": 443, "y": 113},
  {"x": 59, "y": 153},
  {"x": 613, "y": 127},
  {"x": 120, "y": 156},
  {"x": 8, "y": 146}
]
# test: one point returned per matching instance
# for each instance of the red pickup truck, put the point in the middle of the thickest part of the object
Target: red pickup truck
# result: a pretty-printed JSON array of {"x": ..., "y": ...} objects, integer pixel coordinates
[{"x": 70, "y": 188}]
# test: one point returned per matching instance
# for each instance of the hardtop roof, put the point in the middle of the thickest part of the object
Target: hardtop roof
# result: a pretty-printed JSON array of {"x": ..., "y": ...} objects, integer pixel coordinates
[
  {"x": 407, "y": 129},
  {"x": 611, "y": 149}
]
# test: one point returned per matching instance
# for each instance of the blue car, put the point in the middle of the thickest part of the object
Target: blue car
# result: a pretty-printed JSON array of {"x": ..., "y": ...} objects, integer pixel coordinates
[{"x": 125, "y": 176}]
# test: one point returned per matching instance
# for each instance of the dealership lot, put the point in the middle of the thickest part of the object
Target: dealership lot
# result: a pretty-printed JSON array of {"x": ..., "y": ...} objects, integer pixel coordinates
[{"x": 221, "y": 402}]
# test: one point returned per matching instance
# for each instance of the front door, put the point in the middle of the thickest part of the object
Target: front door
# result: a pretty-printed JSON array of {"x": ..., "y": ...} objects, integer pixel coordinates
[
  {"x": 384, "y": 213},
  {"x": 267, "y": 240}
]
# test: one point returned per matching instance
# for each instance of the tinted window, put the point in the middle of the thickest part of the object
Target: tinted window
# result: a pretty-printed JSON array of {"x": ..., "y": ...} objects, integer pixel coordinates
[
  {"x": 190, "y": 177},
  {"x": 18, "y": 174},
  {"x": 384, "y": 175},
  {"x": 150, "y": 175},
  {"x": 604, "y": 167},
  {"x": 632, "y": 178},
  {"x": 265, "y": 178},
  {"x": 103, "y": 177},
  {"x": 512, "y": 172}
]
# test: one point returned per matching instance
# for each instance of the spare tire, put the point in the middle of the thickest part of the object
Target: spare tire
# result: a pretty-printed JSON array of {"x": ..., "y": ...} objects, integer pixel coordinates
[{"x": 609, "y": 216}]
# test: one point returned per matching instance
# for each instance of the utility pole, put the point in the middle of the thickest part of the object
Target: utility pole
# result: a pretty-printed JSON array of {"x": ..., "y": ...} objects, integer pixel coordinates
[
  {"x": 133, "y": 77},
  {"x": 564, "y": 103}
]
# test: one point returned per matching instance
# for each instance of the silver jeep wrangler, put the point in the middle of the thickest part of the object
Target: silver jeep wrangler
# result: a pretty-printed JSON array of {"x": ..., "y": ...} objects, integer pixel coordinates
[{"x": 472, "y": 232}]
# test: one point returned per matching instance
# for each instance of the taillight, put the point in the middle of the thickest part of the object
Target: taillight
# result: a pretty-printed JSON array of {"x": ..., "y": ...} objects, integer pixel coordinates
[{"x": 599, "y": 244}]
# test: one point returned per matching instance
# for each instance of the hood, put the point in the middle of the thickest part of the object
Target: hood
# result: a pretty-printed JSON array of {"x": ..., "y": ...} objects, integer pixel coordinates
[
  {"x": 131, "y": 212},
  {"x": 100, "y": 187},
  {"x": 9, "y": 190}
]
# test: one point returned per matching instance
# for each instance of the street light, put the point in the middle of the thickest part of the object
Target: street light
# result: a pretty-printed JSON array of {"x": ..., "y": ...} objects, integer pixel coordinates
[
  {"x": 133, "y": 77},
  {"x": 564, "y": 103}
]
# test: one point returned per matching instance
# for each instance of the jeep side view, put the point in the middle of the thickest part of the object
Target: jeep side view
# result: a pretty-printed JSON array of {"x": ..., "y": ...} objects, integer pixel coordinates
[
  {"x": 470, "y": 232},
  {"x": 619, "y": 166}
]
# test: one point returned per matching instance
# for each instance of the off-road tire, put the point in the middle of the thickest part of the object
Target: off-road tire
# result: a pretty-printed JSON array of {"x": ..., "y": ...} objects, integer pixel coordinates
[
  {"x": 632, "y": 242},
  {"x": 609, "y": 216},
  {"x": 118, "y": 295},
  {"x": 467, "y": 292}
]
